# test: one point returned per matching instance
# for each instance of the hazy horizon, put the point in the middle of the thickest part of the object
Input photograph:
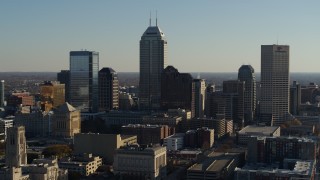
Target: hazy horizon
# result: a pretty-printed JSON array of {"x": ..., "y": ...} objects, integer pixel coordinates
[{"x": 203, "y": 36}]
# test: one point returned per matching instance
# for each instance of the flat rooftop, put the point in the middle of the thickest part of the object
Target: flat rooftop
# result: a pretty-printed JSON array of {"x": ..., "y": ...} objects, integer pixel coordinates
[{"x": 261, "y": 130}]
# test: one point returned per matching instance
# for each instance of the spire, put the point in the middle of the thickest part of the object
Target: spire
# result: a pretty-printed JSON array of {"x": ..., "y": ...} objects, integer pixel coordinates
[
  {"x": 150, "y": 19},
  {"x": 156, "y": 18}
]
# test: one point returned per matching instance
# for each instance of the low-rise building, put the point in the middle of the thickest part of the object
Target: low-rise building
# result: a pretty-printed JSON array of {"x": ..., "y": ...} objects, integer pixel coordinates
[
  {"x": 102, "y": 145},
  {"x": 200, "y": 138},
  {"x": 215, "y": 166},
  {"x": 143, "y": 163},
  {"x": 84, "y": 164},
  {"x": 147, "y": 134},
  {"x": 252, "y": 130},
  {"x": 12, "y": 173},
  {"x": 44, "y": 169},
  {"x": 162, "y": 119},
  {"x": 300, "y": 170},
  {"x": 174, "y": 142}
]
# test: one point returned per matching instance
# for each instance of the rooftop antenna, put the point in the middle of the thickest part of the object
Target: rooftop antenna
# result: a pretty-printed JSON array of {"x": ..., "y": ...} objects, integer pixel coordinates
[
  {"x": 156, "y": 18},
  {"x": 277, "y": 39},
  {"x": 150, "y": 19}
]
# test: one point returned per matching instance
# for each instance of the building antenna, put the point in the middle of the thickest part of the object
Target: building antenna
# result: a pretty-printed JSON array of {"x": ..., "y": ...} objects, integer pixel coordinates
[
  {"x": 156, "y": 18},
  {"x": 150, "y": 19},
  {"x": 277, "y": 39}
]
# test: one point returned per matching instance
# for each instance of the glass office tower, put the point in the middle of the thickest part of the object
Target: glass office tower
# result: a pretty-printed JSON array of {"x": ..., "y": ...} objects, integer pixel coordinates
[{"x": 84, "y": 68}]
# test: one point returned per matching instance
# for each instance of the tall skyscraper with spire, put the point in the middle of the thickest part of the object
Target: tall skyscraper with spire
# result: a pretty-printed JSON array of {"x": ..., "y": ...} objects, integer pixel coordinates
[
  {"x": 274, "y": 104},
  {"x": 153, "y": 58}
]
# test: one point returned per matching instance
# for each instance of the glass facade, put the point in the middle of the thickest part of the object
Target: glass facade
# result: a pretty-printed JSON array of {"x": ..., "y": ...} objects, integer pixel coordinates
[{"x": 84, "y": 68}]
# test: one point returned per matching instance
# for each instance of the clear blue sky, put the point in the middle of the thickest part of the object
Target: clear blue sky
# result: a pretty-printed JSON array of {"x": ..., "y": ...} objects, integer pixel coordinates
[{"x": 203, "y": 36}]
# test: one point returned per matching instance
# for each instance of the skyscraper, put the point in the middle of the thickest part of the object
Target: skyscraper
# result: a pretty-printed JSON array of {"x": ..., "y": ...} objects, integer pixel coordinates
[
  {"x": 199, "y": 90},
  {"x": 176, "y": 89},
  {"x": 246, "y": 75},
  {"x": 295, "y": 98},
  {"x": 233, "y": 93},
  {"x": 1, "y": 93},
  {"x": 108, "y": 89},
  {"x": 64, "y": 78},
  {"x": 84, "y": 68},
  {"x": 153, "y": 58},
  {"x": 274, "y": 106}
]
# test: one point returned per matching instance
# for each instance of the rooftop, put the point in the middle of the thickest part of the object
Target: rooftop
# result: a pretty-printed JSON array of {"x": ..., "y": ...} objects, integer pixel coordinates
[{"x": 260, "y": 130}]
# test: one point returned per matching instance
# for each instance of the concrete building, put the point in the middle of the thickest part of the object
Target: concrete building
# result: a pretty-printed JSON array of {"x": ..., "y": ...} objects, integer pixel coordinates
[
  {"x": 199, "y": 90},
  {"x": 108, "y": 89},
  {"x": 1, "y": 93},
  {"x": 233, "y": 93},
  {"x": 143, "y": 163},
  {"x": 221, "y": 126},
  {"x": 35, "y": 121},
  {"x": 83, "y": 164},
  {"x": 125, "y": 102},
  {"x": 148, "y": 134},
  {"x": 215, "y": 166},
  {"x": 174, "y": 142},
  {"x": 84, "y": 90},
  {"x": 176, "y": 89},
  {"x": 12, "y": 173},
  {"x": 52, "y": 95},
  {"x": 162, "y": 119},
  {"x": 252, "y": 130},
  {"x": 4, "y": 125},
  {"x": 45, "y": 169},
  {"x": 274, "y": 105},
  {"x": 102, "y": 145},
  {"x": 300, "y": 170},
  {"x": 274, "y": 149},
  {"x": 16, "y": 151},
  {"x": 246, "y": 75},
  {"x": 66, "y": 121},
  {"x": 153, "y": 59},
  {"x": 185, "y": 114},
  {"x": 295, "y": 98},
  {"x": 64, "y": 78},
  {"x": 123, "y": 117},
  {"x": 199, "y": 138}
]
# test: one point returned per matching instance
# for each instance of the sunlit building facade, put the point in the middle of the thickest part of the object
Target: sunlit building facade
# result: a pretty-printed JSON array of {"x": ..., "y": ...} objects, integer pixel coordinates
[{"x": 84, "y": 68}]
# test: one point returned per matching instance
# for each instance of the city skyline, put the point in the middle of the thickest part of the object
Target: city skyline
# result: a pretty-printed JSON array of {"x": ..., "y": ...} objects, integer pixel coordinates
[{"x": 202, "y": 37}]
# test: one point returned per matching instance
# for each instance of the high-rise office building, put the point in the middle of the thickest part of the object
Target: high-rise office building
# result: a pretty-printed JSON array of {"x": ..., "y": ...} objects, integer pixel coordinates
[
  {"x": 246, "y": 75},
  {"x": 108, "y": 89},
  {"x": 16, "y": 151},
  {"x": 84, "y": 68},
  {"x": 1, "y": 93},
  {"x": 64, "y": 78},
  {"x": 233, "y": 93},
  {"x": 274, "y": 105},
  {"x": 176, "y": 89},
  {"x": 295, "y": 98},
  {"x": 153, "y": 57},
  {"x": 199, "y": 90}
]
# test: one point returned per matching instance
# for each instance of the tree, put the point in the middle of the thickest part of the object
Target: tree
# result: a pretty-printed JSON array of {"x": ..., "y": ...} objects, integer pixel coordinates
[{"x": 59, "y": 150}]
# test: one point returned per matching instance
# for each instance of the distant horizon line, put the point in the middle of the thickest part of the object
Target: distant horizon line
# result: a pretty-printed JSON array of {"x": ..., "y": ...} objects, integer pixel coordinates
[{"x": 129, "y": 72}]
